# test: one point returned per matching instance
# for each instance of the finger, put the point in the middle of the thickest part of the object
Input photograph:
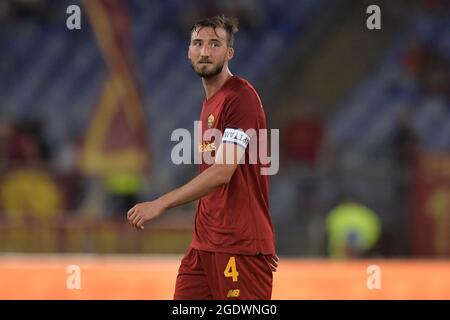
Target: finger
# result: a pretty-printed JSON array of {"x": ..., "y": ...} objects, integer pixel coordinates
[
  {"x": 140, "y": 223},
  {"x": 136, "y": 219},
  {"x": 131, "y": 211},
  {"x": 275, "y": 257},
  {"x": 274, "y": 263},
  {"x": 272, "y": 259},
  {"x": 274, "y": 267},
  {"x": 134, "y": 222},
  {"x": 133, "y": 215}
]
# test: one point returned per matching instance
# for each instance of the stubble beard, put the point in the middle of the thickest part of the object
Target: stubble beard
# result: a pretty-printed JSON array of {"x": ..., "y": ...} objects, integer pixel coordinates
[{"x": 201, "y": 70}]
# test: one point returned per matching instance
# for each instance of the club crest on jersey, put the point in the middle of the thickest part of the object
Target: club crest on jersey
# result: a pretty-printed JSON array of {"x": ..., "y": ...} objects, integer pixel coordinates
[{"x": 210, "y": 121}]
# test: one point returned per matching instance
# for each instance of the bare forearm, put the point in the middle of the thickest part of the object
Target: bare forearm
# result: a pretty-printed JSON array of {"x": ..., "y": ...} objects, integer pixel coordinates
[
  {"x": 216, "y": 175},
  {"x": 201, "y": 185}
]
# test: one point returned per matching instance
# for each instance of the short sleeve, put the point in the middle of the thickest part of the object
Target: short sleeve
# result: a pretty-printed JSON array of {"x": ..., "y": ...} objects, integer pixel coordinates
[{"x": 241, "y": 114}]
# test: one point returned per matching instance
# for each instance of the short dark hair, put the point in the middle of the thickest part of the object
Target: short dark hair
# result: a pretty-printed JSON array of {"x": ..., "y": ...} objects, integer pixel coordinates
[{"x": 230, "y": 24}]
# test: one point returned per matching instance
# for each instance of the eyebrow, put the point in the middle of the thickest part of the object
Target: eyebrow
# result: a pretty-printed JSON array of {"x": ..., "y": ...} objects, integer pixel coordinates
[{"x": 212, "y": 40}]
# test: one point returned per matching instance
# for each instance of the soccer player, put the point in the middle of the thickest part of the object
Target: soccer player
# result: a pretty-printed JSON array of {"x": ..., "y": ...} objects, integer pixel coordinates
[{"x": 232, "y": 254}]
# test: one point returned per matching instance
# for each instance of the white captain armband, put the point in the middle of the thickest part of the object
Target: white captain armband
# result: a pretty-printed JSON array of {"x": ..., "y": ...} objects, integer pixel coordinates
[{"x": 236, "y": 136}]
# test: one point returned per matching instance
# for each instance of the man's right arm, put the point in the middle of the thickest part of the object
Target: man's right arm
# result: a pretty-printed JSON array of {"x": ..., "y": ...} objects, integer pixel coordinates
[{"x": 226, "y": 161}]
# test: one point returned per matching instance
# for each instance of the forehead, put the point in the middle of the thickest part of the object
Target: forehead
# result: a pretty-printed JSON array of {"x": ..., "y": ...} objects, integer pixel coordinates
[{"x": 208, "y": 33}]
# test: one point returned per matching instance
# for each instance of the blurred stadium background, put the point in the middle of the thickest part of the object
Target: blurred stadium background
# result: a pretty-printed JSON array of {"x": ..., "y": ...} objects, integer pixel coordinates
[{"x": 86, "y": 117}]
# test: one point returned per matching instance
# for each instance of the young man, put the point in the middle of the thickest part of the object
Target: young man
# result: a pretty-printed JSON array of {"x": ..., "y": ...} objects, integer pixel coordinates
[{"x": 232, "y": 254}]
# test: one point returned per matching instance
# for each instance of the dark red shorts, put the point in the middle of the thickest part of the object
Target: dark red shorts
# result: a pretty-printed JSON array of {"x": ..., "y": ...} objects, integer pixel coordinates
[{"x": 211, "y": 275}]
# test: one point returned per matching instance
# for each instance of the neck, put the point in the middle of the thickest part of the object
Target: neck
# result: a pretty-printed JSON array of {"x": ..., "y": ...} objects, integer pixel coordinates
[{"x": 212, "y": 85}]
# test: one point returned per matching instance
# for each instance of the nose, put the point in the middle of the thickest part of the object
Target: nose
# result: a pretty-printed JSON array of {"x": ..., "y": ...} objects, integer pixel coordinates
[{"x": 204, "y": 52}]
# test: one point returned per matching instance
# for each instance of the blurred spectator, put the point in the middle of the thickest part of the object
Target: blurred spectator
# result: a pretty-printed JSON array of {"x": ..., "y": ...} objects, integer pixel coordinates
[
  {"x": 434, "y": 75},
  {"x": 66, "y": 169},
  {"x": 27, "y": 147},
  {"x": 405, "y": 145},
  {"x": 405, "y": 141},
  {"x": 302, "y": 138},
  {"x": 295, "y": 194},
  {"x": 353, "y": 230},
  {"x": 28, "y": 190},
  {"x": 429, "y": 67},
  {"x": 6, "y": 131},
  {"x": 30, "y": 194},
  {"x": 413, "y": 58},
  {"x": 122, "y": 191}
]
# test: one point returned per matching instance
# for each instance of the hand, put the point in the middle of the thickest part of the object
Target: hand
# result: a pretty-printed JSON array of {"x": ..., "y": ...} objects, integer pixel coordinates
[
  {"x": 143, "y": 212},
  {"x": 273, "y": 262}
]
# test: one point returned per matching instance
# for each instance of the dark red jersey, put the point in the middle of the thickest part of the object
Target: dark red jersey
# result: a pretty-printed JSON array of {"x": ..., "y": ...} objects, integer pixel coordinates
[{"x": 234, "y": 218}]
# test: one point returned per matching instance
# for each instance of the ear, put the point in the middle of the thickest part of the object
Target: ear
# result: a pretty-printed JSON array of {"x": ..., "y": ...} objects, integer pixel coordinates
[{"x": 230, "y": 53}]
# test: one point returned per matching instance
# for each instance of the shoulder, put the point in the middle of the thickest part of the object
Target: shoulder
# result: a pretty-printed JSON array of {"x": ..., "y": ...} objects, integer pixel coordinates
[{"x": 240, "y": 91}]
